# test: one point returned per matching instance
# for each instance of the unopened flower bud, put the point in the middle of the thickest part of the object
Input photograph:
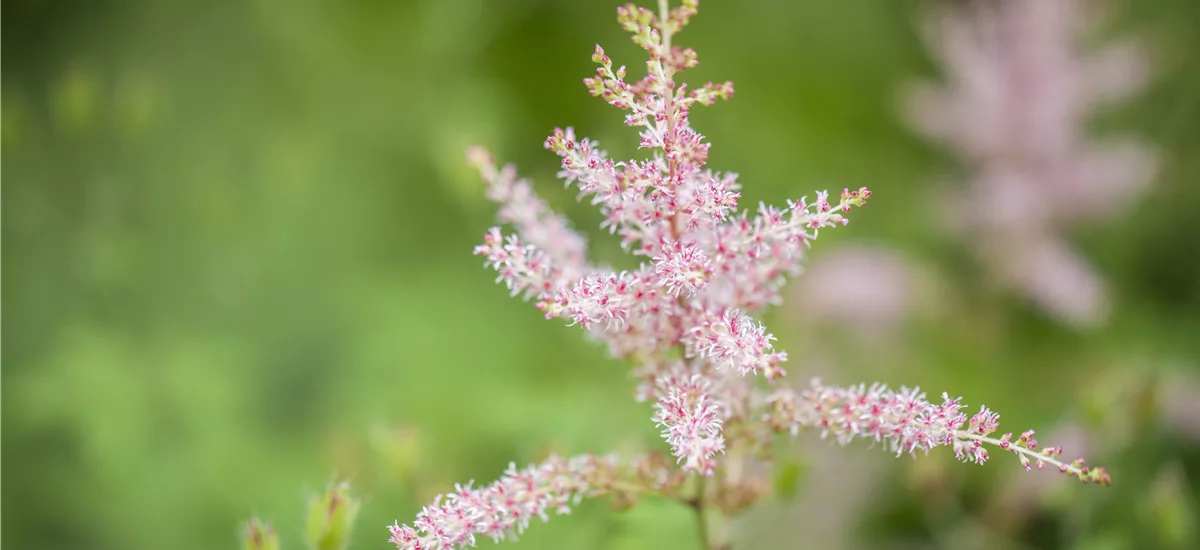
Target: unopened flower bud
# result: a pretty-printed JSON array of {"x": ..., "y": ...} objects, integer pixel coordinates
[
  {"x": 258, "y": 535},
  {"x": 331, "y": 517}
]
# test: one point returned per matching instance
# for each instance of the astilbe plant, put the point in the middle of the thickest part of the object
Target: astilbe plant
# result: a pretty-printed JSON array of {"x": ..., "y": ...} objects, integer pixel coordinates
[
  {"x": 684, "y": 318},
  {"x": 1020, "y": 88}
]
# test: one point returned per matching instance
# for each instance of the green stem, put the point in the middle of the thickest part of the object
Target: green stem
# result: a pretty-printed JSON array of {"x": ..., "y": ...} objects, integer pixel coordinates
[
  {"x": 697, "y": 504},
  {"x": 1030, "y": 454}
]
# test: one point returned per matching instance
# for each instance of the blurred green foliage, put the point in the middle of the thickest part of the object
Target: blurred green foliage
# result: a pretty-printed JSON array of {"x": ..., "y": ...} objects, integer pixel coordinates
[{"x": 237, "y": 244}]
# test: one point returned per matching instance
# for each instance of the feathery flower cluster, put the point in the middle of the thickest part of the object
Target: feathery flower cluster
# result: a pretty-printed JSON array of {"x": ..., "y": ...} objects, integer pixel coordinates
[
  {"x": 906, "y": 422},
  {"x": 504, "y": 508},
  {"x": 691, "y": 423},
  {"x": 708, "y": 264},
  {"x": 545, "y": 229},
  {"x": 1015, "y": 108},
  {"x": 683, "y": 316}
]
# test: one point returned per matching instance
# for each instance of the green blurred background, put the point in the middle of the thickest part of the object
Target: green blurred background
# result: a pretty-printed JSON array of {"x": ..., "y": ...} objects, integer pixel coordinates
[{"x": 237, "y": 260}]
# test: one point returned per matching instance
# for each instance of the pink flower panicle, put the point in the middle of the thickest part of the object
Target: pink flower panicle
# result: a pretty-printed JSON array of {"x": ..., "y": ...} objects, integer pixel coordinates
[
  {"x": 683, "y": 269},
  {"x": 907, "y": 423},
  {"x": 607, "y": 299},
  {"x": 523, "y": 268},
  {"x": 535, "y": 222},
  {"x": 755, "y": 255},
  {"x": 691, "y": 422},
  {"x": 504, "y": 509},
  {"x": 736, "y": 340}
]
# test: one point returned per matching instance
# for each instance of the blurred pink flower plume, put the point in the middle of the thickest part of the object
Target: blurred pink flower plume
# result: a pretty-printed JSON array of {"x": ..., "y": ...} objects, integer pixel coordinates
[{"x": 1018, "y": 92}]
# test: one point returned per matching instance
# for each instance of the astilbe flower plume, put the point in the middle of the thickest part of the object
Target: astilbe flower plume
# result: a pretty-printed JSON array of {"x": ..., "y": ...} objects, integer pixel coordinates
[
  {"x": 506, "y": 506},
  {"x": 906, "y": 422},
  {"x": 684, "y": 316},
  {"x": 1019, "y": 89}
]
